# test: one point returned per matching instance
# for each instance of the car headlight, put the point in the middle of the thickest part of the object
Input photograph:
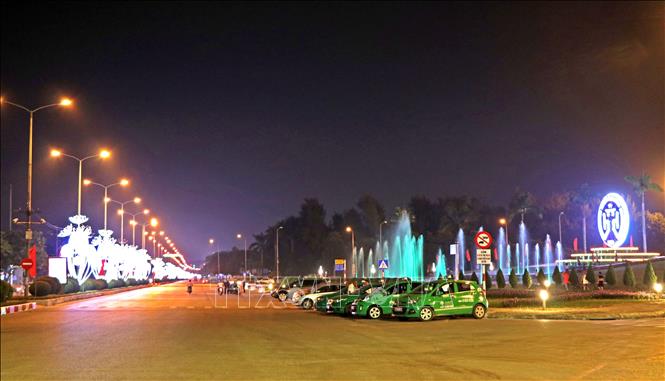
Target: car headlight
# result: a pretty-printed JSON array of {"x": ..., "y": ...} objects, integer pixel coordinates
[
  {"x": 366, "y": 299},
  {"x": 330, "y": 301},
  {"x": 318, "y": 299},
  {"x": 392, "y": 303}
]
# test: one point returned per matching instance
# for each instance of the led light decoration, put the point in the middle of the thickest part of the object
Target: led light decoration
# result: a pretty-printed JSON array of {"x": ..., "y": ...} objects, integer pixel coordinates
[
  {"x": 78, "y": 250},
  {"x": 613, "y": 220}
]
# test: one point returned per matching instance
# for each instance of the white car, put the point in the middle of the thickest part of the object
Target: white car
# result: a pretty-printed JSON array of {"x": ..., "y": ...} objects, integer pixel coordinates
[{"x": 308, "y": 301}]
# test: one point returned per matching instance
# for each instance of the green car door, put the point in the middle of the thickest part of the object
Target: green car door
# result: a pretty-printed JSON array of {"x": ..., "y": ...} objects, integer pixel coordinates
[{"x": 464, "y": 297}]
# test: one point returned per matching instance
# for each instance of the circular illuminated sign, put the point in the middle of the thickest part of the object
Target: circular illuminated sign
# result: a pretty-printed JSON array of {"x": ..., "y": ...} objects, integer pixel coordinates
[{"x": 613, "y": 220}]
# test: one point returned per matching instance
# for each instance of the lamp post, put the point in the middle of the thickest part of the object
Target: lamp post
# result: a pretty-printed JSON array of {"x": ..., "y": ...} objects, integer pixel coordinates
[
  {"x": 65, "y": 102},
  {"x": 353, "y": 244},
  {"x": 133, "y": 222},
  {"x": 240, "y": 236},
  {"x": 153, "y": 222},
  {"x": 277, "y": 250},
  {"x": 211, "y": 242},
  {"x": 560, "y": 214},
  {"x": 122, "y": 182},
  {"x": 384, "y": 222},
  {"x": 104, "y": 154},
  {"x": 121, "y": 212}
]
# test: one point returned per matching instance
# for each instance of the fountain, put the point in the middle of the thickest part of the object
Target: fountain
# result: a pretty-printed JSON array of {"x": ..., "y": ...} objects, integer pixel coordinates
[
  {"x": 441, "y": 268},
  {"x": 461, "y": 249},
  {"x": 370, "y": 263},
  {"x": 548, "y": 256},
  {"x": 509, "y": 260},
  {"x": 524, "y": 245},
  {"x": 517, "y": 257},
  {"x": 360, "y": 263},
  {"x": 406, "y": 254},
  {"x": 525, "y": 263},
  {"x": 536, "y": 255},
  {"x": 501, "y": 247},
  {"x": 559, "y": 255}
]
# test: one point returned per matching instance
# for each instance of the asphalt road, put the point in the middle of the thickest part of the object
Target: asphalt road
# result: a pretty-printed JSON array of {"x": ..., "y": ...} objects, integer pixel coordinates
[{"x": 161, "y": 333}]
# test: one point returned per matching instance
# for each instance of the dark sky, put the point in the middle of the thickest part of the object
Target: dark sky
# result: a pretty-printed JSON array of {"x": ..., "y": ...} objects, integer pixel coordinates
[{"x": 226, "y": 116}]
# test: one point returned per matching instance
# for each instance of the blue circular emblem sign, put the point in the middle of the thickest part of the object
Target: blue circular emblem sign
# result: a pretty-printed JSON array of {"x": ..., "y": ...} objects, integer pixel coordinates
[{"x": 613, "y": 220}]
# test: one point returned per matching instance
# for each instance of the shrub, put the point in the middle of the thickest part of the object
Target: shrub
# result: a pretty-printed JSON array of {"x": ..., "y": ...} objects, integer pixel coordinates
[
  {"x": 540, "y": 277},
  {"x": 113, "y": 283},
  {"x": 88, "y": 285},
  {"x": 132, "y": 282},
  {"x": 474, "y": 277},
  {"x": 56, "y": 287},
  {"x": 610, "y": 276},
  {"x": 649, "y": 278},
  {"x": 526, "y": 279},
  {"x": 6, "y": 291},
  {"x": 100, "y": 284},
  {"x": 591, "y": 276},
  {"x": 43, "y": 288},
  {"x": 573, "y": 278},
  {"x": 488, "y": 279},
  {"x": 500, "y": 279},
  {"x": 512, "y": 278},
  {"x": 460, "y": 276},
  {"x": 556, "y": 276},
  {"x": 71, "y": 286},
  {"x": 629, "y": 276}
]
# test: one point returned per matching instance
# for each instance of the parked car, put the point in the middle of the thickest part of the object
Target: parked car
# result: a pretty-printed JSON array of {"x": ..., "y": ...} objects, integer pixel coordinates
[
  {"x": 380, "y": 301},
  {"x": 308, "y": 301},
  {"x": 442, "y": 298},
  {"x": 341, "y": 304},
  {"x": 295, "y": 286}
]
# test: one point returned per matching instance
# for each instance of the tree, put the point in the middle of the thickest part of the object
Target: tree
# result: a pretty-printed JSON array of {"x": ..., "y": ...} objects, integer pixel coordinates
[
  {"x": 526, "y": 279},
  {"x": 590, "y": 276},
  {"x": 610, "y": 276},
  {"x": 512, "y": 278},
  {"x": 474, "y": 277},
  {"x": 649, "y": 278},
  {"x": 500, "y": 279},
  {"x": 556, "y": 276},
  {"x": 583, "y": 198},
  {"x": 628, "y": 276},
  {"x": 372, "y": 214},
  {"x": 521, "y": 203},
  {"x": 641, "y": 185},
  {"x": 460, "y": 276},
  {"x": 488, "y": 278},
  {"x": 573, "y": 279},
  {"x": 540, "y": 277},
  {"x": 260, "y": 246}
]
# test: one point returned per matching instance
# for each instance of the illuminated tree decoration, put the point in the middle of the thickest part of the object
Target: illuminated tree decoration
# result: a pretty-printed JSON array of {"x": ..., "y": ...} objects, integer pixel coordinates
[
  {"x": 613, "y": 220},
  {"x": 78, "y": 250}
]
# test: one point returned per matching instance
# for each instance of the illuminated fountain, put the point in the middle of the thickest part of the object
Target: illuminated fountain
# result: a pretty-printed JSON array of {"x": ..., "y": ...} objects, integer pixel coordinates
[
  {"x": 559, "y": 255},
  {"x": 517, "y": 258},
  {"x": 509, "y": 260},
  {"x": 501, "y": 247},
  {"x": 536, "y": 254},
  {"x": 406, "y": 254},
  {"x": 524, "y": 245},
  {"x": 441, "y": 268},
  {"x": 461, "y": 249},
  {"x": 548, "y": 256}
]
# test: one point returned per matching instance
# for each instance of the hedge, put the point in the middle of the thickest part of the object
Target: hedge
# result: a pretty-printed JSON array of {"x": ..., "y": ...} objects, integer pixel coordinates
[
  {"x": 6, "y": 291},
  {"x": 71, "y": 286},
  {"x": 43, "y": 288}
]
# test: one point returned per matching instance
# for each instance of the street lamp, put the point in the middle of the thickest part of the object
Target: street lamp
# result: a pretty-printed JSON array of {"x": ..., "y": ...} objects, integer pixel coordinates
[
  {"x": 277, "y": 250},
  {"x": 502, "y": 221},
  {"x": 381, "y": 236},
  {"x": 560, "y": 214},
  {"x": 64, "y": 102},
  {"x": 104, "y": 154},
  {"x": 133, "y": 222},
  {"x": 121, "y": 212},
  {"x": 211, "y": 242},
  {"x": 240, "y": 236},
  {"x": 353, "y": 244},
  {"x": 122, "y": 182}
]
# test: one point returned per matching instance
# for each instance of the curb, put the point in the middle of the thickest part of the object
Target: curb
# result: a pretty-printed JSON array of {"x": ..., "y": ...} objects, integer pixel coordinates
[{"x": 17, "y": 308}]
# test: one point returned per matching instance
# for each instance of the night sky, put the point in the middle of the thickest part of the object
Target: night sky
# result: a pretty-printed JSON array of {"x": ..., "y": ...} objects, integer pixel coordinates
[{"x": 226, "y": 116}]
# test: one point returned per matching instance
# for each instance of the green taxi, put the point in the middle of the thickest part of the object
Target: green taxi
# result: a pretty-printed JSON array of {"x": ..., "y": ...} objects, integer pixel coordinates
[
  {"x": 442, "y": 298},
  {"x": 380, "y": 301},
  {"x": 341, "y": 303}
]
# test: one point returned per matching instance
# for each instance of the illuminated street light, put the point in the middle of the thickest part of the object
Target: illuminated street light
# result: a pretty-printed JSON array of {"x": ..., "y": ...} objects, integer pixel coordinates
[
  {"x": 64, "y": 102},
  {"x": 353, "y": 244},
  {"x": 504, "y": 222},
  {"x": 239, "y": 236},
  {"x": 277, "y": 250},
  {"x": 102, "y": 154},
  {"x": 107, "y": 199},
  {"x": 133, "y": 222},
  {"x": 544, "y": 295},
  {"x": 658, "y": 287},
  {"x": 121, "y": 212}
]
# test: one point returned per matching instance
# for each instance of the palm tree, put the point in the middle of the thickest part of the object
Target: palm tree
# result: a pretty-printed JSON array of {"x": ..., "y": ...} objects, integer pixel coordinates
[
  {"x": 260, "y": 246},
  {"x": 641, "y": 185}
]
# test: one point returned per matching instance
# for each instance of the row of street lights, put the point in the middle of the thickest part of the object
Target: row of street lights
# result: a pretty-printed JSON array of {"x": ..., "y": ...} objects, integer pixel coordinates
[{"x": 102, "y": 154}]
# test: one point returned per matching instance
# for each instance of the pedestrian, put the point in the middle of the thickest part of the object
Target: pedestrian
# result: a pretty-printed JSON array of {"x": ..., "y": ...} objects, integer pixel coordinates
[
  {"x": 566, "y": 279},
  {"x": 601, "y": 280},
  {"x": 189, "y": 286},
  {"x": 585, "y": 281}
]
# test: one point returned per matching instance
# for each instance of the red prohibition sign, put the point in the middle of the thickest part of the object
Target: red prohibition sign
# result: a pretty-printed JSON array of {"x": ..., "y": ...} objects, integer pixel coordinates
[{"x": 483, "y": 240}]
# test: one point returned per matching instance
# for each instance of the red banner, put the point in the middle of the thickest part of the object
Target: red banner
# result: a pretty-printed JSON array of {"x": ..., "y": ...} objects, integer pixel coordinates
[
  {"x": 32, "y": 254},
  {"x": 468, "y": 256},
  {"x": 575, "y": 245}
]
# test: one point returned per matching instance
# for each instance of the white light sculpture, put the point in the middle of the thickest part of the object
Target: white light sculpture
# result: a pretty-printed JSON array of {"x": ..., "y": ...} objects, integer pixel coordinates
[{"x": 613, "y": 220}]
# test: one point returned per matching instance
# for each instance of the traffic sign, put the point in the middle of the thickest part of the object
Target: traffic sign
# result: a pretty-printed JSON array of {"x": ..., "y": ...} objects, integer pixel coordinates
[
  {"x": 27, "y": 263},
  {"x": 340, "y": 264},
  {"x": 483, "y": 240},
  {"x": 383, "y": 264},
  {"x": 484, "y": 256}
]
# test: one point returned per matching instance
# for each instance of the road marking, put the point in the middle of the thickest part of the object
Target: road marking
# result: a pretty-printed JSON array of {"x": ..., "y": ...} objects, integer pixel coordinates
[{"x": 588, "y": 372}]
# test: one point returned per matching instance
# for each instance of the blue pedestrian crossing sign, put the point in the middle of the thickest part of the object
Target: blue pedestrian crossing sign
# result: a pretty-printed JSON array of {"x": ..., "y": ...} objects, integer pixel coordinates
[{"x": 383, "y": 264}]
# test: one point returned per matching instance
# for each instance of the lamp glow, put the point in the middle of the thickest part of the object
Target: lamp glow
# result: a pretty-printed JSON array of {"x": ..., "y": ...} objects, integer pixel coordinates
[
  {"x": 55, "y": 153},
  {"x": 348, "y": 229},
  {"x": 87, "y": 182},
  {"x": 154, "y": 222},
  {"x": 66, "y": 102},
  {"x": 137, "y": 200},
  {"x": 658, "y": 287},
  {"x": 104, "y": 154},
  {"x": 124, "y": 182}
]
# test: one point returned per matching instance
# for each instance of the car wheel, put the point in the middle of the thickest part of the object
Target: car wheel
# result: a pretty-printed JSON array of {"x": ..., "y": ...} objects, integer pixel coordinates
[
  {"x": 307, "y": 304},
  {"x": 426, "y": 314},
  {"x": 296, "y": 297},
  {"x": 282, "y": 296},
  {"x": 374, "y": 312},
  {"x": 479, "y": 311}
]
